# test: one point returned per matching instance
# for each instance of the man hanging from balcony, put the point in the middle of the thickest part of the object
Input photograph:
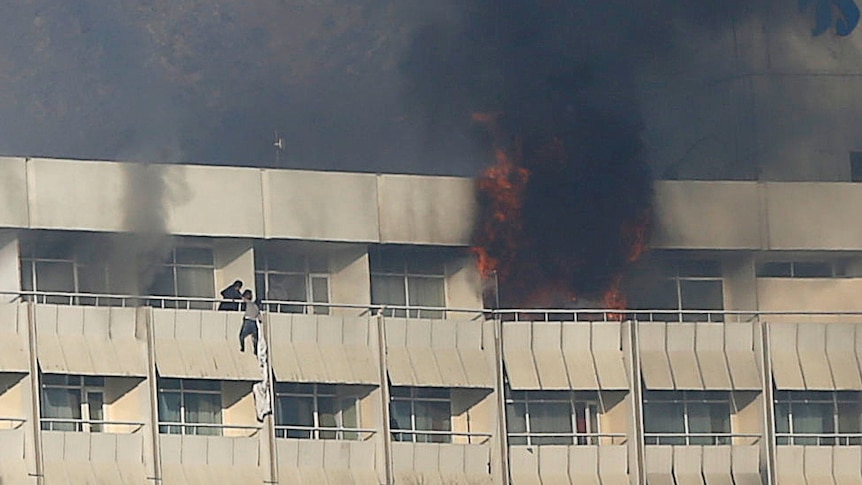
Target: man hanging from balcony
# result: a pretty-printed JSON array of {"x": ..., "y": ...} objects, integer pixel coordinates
[
  {"x": 249, "y": 321},
  {"x": 232, "y": 292}
]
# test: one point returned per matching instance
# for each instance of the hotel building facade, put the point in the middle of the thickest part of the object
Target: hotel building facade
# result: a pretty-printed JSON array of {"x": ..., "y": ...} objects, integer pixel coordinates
[{"x": 743, "y": 366}]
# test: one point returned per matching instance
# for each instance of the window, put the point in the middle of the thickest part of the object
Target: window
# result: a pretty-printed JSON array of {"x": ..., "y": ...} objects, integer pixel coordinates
[
  {"x": 421, "y": 414},
  {"x": 411, "y": 279},
  {"x": 189, "y": 272},
  {"x": 54, "y": 269},
  {"x": 551, "y": 418},
  {"x": 686, "y": 417},
  {"x": 282, "y": 276},
  {"x": 73, "y": 403},
  {"x": 316, "y": 411},
  {"x": 818, "y": 417},
  {"x": 184, "y": 403},
  {"x": 798, "y": 269},
  {"x": 856, "y": 166},
  {"x": 686, "y": 285}
]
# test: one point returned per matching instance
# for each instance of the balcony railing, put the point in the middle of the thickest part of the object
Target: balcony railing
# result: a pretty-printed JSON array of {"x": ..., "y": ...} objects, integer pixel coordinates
[
  {"x": 704, "y": 439},
  {"x": 11, "y": 423},
  {"x": 819, "y": 439},
  {"x": 208, "y": 429},
  {"x": 324, "y": 433},
  {"x": 91, "y": 425},
  {"x": 534, "y": 439},
  {"x": 429, "y": 436},
  {"x": 505, "y": 315}
]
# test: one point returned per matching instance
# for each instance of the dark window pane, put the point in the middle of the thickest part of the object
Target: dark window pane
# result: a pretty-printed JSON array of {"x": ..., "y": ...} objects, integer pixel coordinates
[
  {"x": 694, "y": 268},
  {"x": 812, "y": 270},
  {"x": 388, "y": 290},
  {"x": 195, "y": 256},
  {"x": 551, "y": 417},
  {"x": 701, "y": 295},
  {"x": 774, "y": 269}
]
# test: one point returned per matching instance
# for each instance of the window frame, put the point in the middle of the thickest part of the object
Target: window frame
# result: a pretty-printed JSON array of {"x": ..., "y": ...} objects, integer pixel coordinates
[
  {"x": 586, "y": 409},
  {"x": 680, "y": 312},
  {"x": 413, "y": 434},
  {"x": 175, "y": 300},
  {"x": 405, "y": 274},
  {"x": 84, "y": 391},
  {"x": 805, "y": 398},
  {"x": 262, "y": 273},
  {"x": 339, "y": 394},
  {"x": 183, "y": 426},
  {"x": 29, "y": 260},
  {"x": 687, "y": 399}
]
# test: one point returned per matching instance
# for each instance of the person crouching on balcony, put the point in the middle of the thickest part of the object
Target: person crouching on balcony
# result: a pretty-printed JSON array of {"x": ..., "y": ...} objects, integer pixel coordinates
[{"x": 249, "y": 321}]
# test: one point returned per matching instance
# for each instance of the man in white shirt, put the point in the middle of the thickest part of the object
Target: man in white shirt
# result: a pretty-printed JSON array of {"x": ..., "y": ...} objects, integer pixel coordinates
[{"x": 249, "y": 321}]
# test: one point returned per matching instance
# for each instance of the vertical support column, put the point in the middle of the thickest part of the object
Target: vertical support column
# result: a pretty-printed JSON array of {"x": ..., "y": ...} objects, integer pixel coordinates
[
  {"x": 35, "y": 394},
  {"x": 500, "y": 390},
  {"x": 144, "y": 316},
  {"x": 384, "y": 397},
  {"x": 637, "y": 453},
  {"x": 768, "y": 430},
  {"x": 269, "y": 420}
]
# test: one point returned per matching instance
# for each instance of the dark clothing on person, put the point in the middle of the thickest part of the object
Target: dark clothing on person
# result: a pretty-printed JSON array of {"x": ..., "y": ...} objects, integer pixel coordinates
[
  {"x": 230, "y": 293},
  {"x": 249, "y": 327}
]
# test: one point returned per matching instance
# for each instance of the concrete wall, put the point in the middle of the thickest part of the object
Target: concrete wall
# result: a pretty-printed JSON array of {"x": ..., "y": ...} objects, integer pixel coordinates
[{"x": 235, "y": 202}]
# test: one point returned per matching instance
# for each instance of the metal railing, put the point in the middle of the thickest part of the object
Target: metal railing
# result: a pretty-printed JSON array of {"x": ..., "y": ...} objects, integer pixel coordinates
[
  {"x": 431, "y": 436},
  {"x": 208, "y": 429},
  {"x": 324, "y": 433},
  {"x": 705, "y": 439},
  {"x": 818, "y": 439},
  {"x": 408, "y": 311},
  {"x": 90, "y": 425},
  {"x": 11, "y": 423},
  {"x": 571, "y": 438}
]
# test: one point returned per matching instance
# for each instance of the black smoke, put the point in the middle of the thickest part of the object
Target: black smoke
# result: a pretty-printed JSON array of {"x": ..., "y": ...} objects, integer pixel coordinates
[{"x": 562, "y": 79}]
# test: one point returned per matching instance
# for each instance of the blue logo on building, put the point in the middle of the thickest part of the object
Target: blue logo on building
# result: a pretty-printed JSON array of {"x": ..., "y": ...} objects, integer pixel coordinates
[{"x": 843, "y": 14}]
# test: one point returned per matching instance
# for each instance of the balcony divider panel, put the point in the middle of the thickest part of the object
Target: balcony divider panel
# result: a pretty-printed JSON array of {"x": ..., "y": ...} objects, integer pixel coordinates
[
  {"x": 717, "y": 465},
  {"x": 790, "y": 465},
  {"x": 811, "y": 346},
  {"x": 818, "y": 465},
  {"x": 13, "y": 455},
  {"x": 742, "y": 359},
  {"x": 584, "y": 465},
  {"x": 524, "y": 466},
  {"x": 658, "y": 465},
  {"x": 847, "y": 465},
  {"x": 745, "y": 464},
  {"x": 518, "y": 356},
  {"x": 711, "y": 357},
  {"x": 554, "y": 464},
  {"x": 688, "y": 465},
  {"x": 655, "y": 364},
  {"x": 786, "y": 369},
  {"x": 841, "y": 352},
  {"x": 578, "y": 354},
  {"x": 609, "y": 356},
  {"x": 548, "y": 355},
  {"x": 13, "y": 337},
  {"x": 681, "y": 354}
]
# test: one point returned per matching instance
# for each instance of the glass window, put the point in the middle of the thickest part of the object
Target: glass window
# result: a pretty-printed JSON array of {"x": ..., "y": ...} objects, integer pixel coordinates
[
  {"x": 290, "y": 277},
  {"x": 551, "y": 418},
  {"x": 317, "y": 411},
  {"x": 408, "y": 278},
  {"x": 422, "y": 415},
  {"x": 687, "y": 417},
  {"x": 686, "y": 285},
  {"x": 186, "y": 402},
  {"x": 189, "y": 272},
  {"x": 72, "y": 403},
  {"x": 818, "y": 417}
]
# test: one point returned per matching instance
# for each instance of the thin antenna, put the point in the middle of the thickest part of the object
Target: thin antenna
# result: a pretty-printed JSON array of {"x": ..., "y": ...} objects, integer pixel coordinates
[{"x": 279, "y": 147}]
